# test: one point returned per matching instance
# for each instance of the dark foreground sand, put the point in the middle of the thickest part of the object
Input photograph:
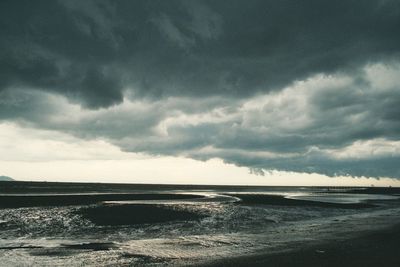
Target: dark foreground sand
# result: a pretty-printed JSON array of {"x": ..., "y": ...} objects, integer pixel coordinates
[{"x": 378, "y": 248}]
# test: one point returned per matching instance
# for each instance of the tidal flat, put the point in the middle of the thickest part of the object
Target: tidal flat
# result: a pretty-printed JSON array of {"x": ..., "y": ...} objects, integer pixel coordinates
[{"x": 83, "y": 224}]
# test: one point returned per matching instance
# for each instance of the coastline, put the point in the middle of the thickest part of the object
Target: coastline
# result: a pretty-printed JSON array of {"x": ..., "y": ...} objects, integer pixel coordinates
[
  {"x": 51, "y": 224},
  {"x": 375, "y": 248}
]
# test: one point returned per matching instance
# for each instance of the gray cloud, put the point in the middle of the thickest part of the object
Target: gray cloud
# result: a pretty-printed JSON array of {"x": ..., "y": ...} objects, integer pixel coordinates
[
  {"x": 94, "y": 50},
  {"x": 307, "y": 87}
]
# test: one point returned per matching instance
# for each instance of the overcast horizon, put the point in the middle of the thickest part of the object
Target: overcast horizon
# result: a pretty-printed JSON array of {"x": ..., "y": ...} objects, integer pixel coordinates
[{"x": 201, "y": 92}]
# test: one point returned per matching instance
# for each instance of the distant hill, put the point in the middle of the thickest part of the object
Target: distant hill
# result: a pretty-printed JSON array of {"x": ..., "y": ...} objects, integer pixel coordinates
[{"x": 6, "y": 178}]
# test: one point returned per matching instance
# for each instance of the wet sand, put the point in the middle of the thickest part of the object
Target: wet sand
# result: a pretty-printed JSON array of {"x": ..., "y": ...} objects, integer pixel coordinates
[
  {"x": 180, "y": 225},
  {"x": 18, "y": 201},
  {"x": 112, "y": 215},
  {"x": 376, "y": 248}
]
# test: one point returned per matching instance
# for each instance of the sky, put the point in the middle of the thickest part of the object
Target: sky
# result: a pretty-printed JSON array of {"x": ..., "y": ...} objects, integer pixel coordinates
[{"x": 201, "y": 92}]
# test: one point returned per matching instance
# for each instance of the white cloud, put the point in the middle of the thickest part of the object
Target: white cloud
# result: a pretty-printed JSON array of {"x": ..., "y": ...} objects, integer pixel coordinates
[
  {"x": 383, "y": 76},
  {"x": 367, "y": 149}
]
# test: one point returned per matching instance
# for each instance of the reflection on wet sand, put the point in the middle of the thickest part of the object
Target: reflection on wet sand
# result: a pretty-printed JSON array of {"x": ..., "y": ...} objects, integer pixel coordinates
[{"x": 173, "y": 227}]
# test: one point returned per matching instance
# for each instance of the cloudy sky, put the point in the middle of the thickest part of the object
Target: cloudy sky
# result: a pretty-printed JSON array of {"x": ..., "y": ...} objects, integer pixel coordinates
[{"x": 243, "y": 92}]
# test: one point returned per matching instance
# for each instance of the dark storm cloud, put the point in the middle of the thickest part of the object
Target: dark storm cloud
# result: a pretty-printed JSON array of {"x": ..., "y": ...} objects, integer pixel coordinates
[
  {"x": 368, "y": 167},
  {"x": 92, "y": 50},
  {"x": 207, "y": 79}
]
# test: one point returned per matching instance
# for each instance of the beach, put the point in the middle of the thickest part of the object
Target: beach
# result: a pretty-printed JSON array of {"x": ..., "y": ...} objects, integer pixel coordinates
[
  {"x": 58, "y": 224},
  {"x": 375, "y": 248}
]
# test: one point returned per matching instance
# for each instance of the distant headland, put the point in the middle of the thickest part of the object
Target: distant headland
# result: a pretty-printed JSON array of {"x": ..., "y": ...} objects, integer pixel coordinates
[{"x": 6, "y": 178}]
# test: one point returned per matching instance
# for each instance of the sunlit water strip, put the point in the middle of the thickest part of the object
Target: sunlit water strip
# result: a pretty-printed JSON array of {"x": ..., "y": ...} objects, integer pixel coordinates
[
  {"x": 206, "y": 198},
  {"x": 339, "y": 198}
]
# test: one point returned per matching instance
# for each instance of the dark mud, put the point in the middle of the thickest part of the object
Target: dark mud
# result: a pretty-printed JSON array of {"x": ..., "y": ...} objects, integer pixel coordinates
[
  {"x": 378, "y": 248},
  {"x": 113, "y": 215}
]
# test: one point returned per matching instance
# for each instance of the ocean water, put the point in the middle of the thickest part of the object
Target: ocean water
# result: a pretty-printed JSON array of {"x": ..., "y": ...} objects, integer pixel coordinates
[{"x": 161, "y": 227}]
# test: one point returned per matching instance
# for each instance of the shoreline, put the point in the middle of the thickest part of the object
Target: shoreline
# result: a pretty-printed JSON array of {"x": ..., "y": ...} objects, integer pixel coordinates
[
  {"x": 373, "y": 248},
  {"x": 22, "y": 187},
  {"x": 261, "y": 228}
]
